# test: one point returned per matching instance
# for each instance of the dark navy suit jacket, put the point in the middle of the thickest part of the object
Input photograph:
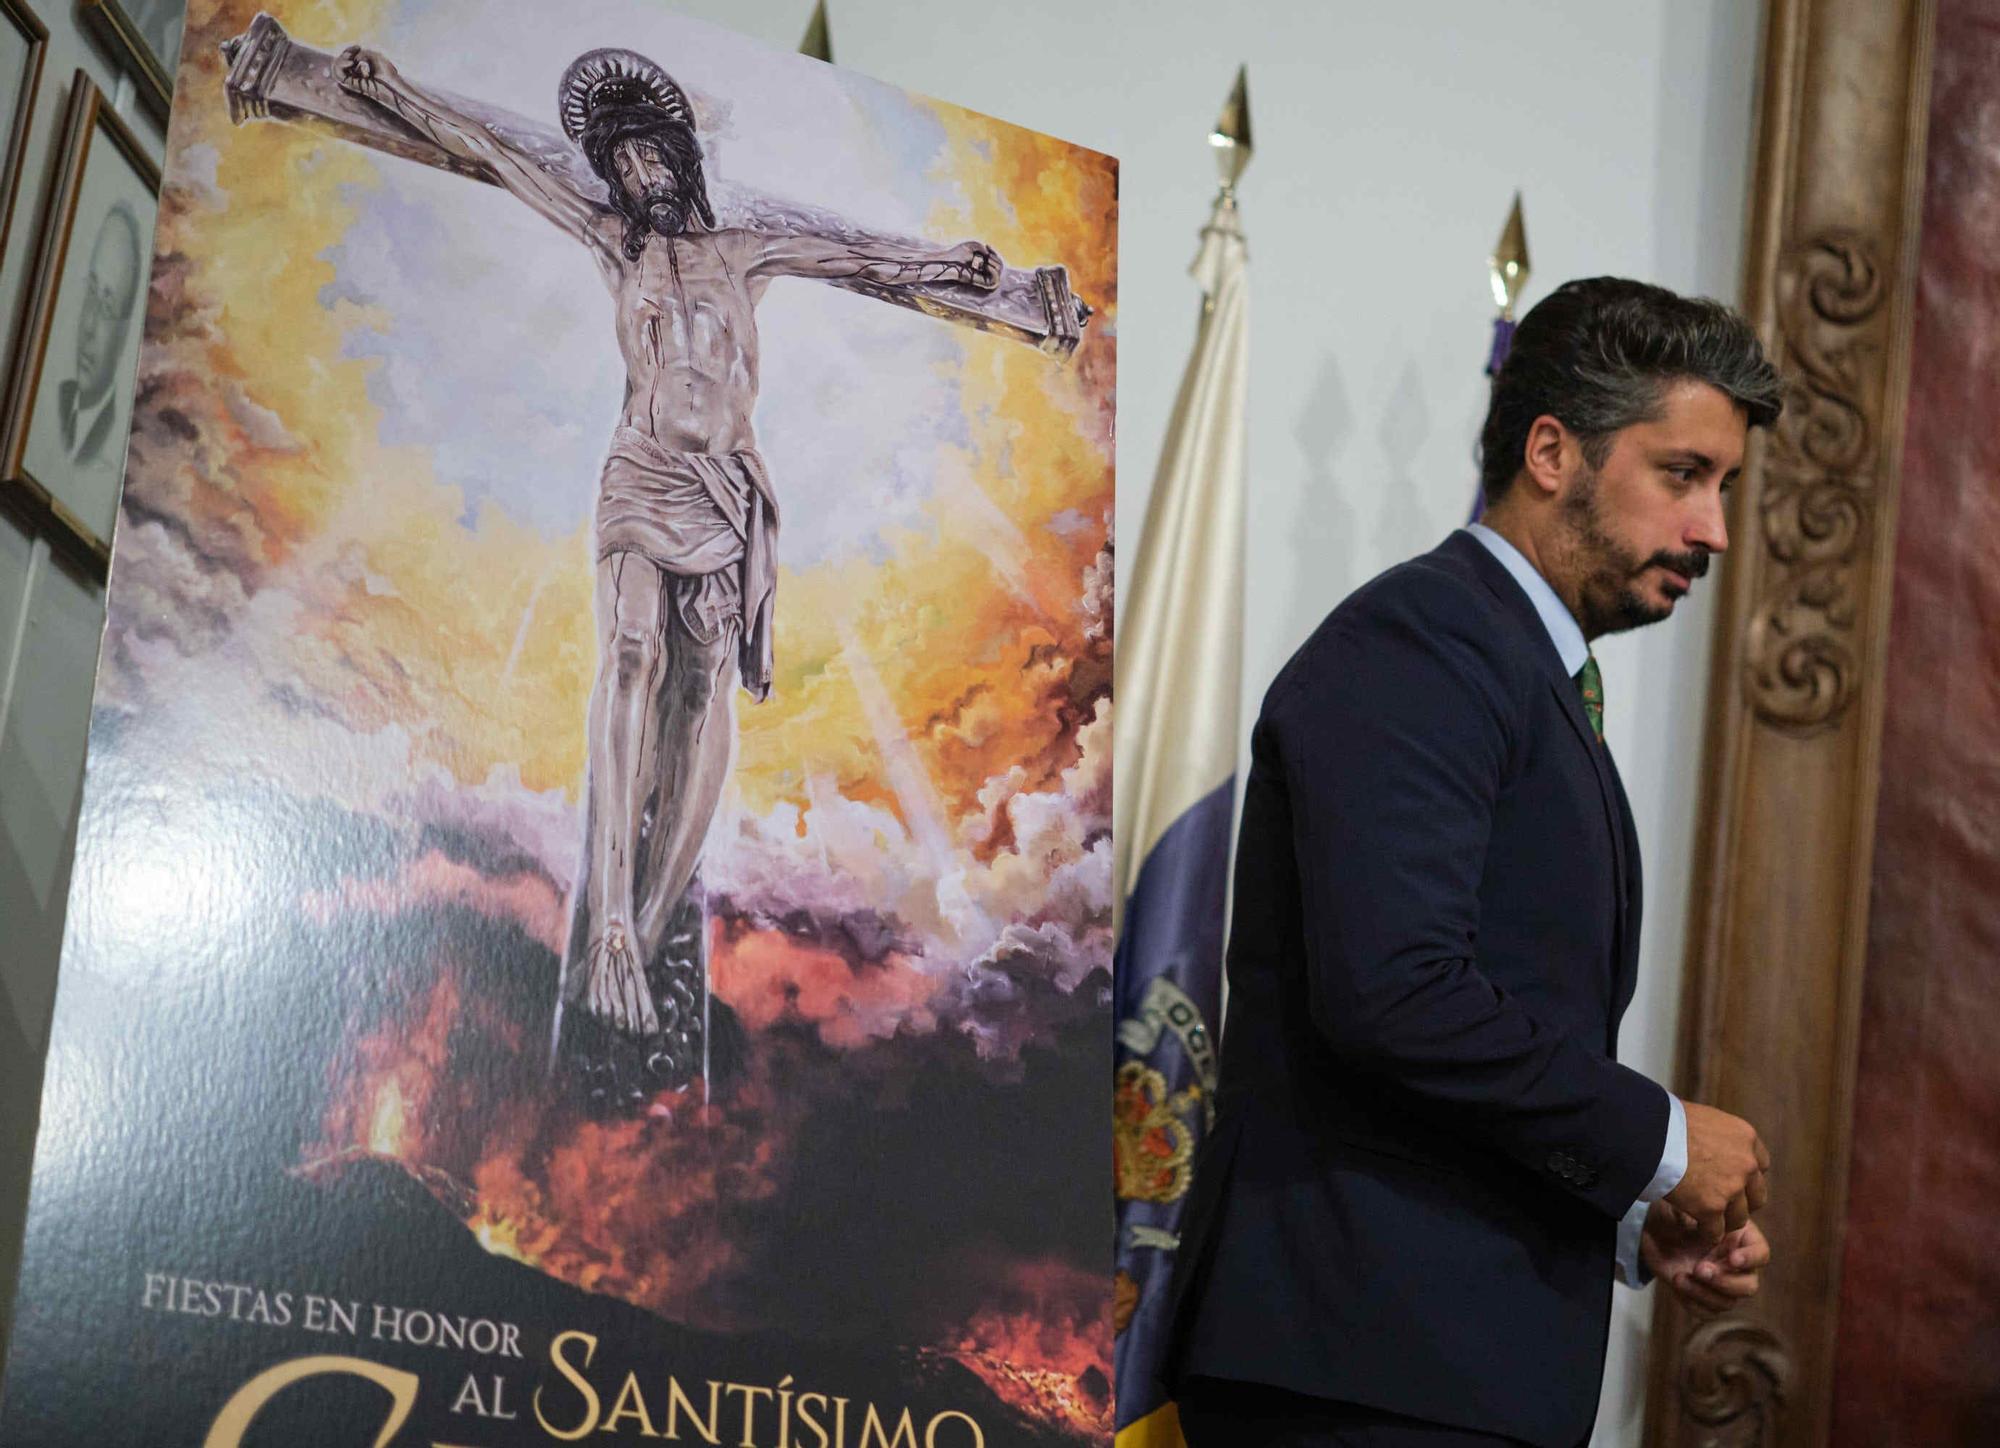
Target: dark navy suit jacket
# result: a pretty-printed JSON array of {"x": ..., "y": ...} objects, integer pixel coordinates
[{"x": 1424, "y": 1142}]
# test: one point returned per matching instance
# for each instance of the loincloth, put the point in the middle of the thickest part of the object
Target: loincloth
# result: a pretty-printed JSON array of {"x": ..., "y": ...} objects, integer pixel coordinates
[{"x": 710, "y": 522}]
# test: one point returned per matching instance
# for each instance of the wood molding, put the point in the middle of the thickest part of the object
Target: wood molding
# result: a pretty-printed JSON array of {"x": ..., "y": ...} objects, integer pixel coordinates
[
  {"x": 26, "y": 85},
  {"x": 1778, "y": 927}
]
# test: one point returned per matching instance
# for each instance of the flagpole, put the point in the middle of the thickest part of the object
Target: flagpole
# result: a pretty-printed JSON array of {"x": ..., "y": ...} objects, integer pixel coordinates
[
  {"x": 1507, "y": 269},
  {"x": 1179, "y": 678},
  {"x": 1159, "y": 615}
]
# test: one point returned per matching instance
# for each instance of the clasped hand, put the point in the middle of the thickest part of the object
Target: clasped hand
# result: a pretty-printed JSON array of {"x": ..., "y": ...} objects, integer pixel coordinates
[
  {"x": 1709, "y": 1276},
  {"x": 1700, "y": 1238},
  {"x": 1726, "y": 1170}
]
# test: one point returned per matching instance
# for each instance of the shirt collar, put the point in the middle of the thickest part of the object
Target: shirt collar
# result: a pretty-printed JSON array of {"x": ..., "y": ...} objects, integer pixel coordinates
[{"x": 1564, "y": 632}]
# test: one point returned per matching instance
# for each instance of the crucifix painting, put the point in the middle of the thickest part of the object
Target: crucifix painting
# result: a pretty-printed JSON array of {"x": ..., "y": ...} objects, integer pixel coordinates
[
  {"x": 687, "y": 512},
  {"x": 596, "y": 832}
]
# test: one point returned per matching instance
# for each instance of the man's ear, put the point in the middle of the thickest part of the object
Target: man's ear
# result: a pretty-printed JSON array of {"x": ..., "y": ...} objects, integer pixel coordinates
[{"x": 1550, "y": 455}]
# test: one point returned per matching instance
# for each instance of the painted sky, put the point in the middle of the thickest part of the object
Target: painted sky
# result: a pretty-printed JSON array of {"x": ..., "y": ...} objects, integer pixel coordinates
[{"x": 485, "y": 302}]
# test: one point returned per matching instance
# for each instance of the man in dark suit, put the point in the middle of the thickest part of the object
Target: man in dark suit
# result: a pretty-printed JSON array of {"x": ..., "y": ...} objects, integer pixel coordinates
[{"x": 1427, "y": 1164}]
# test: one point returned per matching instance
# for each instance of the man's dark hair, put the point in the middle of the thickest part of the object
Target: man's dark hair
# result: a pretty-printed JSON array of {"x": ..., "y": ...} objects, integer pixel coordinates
[
  {"x": 611, "y": 124},
  {"x": 1599, "y": 354}
]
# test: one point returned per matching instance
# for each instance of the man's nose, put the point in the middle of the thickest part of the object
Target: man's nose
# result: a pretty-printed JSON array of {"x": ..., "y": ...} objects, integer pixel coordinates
[{"x": 1709, "y": 528}]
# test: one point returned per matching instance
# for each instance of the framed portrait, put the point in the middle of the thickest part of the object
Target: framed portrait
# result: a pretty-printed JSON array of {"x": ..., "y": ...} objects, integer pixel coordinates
[
  {"x": 69, "y": 408},
  {"x": 23, "y": 41},
  {"x": 146, "y": 36}
]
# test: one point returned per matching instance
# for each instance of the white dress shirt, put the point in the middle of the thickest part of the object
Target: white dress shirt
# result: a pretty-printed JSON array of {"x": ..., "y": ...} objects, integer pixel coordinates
[{"x": 1567, "y": 635}]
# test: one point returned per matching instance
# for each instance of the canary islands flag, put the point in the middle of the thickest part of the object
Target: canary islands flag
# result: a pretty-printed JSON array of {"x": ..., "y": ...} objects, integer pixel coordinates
[{"x": 1179, "y": 666}]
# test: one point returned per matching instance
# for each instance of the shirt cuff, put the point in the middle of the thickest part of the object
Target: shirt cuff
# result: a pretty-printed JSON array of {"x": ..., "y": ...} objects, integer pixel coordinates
[
  {"x": 1630, "y": 1269},
  {"x": 1674, "y": 1158},
  {"x": 1673, "y": 1166}
]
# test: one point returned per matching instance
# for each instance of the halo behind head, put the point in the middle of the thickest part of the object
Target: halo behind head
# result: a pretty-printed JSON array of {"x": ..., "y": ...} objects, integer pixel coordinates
[{"x": 617, "y": 77}]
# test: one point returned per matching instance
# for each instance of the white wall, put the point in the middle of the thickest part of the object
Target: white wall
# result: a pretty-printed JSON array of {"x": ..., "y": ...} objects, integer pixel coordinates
[
  {"x": 51, "y": 618},
  {"x": 1390, "y": 139}
]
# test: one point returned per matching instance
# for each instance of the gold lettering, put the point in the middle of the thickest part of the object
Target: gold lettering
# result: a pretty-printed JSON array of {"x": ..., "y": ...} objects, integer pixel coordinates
[
  {"x": 234, "y": 1419},
  {"x": 785, "y": 1411},
  {"x": 578, "y": 1381},
  {"x": 806, "y": 1419},
  {"x": 678, "y": 1400},
  {"x": 905, "y": 1429},
  {"x": 637, "y": 1410},
  {"x": 930, "y": 1429},
  {"x": 750, "y": 1411}
]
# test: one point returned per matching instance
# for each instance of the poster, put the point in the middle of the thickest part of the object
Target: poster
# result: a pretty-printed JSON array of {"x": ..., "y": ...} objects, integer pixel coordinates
[{"x": 591, "y": 913}]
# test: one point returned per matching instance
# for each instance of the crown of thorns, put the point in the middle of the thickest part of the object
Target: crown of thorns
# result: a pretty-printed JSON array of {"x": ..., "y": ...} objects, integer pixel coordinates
[{"x": 617, "y": 77}]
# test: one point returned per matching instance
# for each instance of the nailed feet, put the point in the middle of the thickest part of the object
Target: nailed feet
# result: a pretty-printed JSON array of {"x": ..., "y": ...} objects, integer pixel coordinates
[{"x": 617, "y": 988}]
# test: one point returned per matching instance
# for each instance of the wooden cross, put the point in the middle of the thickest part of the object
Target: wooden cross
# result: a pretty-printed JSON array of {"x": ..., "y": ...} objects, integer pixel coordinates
[{"x": 271, "y": 76}]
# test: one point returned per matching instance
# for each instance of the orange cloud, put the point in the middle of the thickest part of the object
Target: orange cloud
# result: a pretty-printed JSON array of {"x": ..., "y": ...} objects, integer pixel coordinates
[{"x": 767, "y": 978}]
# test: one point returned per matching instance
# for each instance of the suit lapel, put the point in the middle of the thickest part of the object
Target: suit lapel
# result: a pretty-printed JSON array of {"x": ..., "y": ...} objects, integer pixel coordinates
[
  {"x": 1631, "y": 905},
  {"x": 1465, "y": 549},
  {"x": 1613, "y": 797},
  {"x": 1600, "y": 765}
]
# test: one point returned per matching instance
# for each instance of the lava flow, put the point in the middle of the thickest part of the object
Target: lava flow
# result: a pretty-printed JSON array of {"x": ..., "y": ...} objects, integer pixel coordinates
[{"x": 1049, "y": 1354}]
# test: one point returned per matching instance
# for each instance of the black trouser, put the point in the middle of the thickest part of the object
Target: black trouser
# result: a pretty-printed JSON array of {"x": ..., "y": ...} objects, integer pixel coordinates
[{"x": 1219, "y": 1413}]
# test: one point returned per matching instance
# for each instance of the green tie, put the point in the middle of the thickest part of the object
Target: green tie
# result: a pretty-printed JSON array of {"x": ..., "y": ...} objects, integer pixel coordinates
[{"x": 1590, "y": 683}]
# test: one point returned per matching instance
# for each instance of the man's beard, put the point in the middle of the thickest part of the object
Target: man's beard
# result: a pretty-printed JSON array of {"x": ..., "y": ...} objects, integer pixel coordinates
[
  {"x": 664, "y": 212},
  {"x": 1608, "y": 597}
]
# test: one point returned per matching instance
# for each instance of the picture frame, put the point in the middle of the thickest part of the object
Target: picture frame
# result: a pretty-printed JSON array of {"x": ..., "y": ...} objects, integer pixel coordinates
[
  {"x": 66, "y": 418},
  {"x": 145, "y": 37},
  {"x": 1829, "y": 271},
  {"x": 24, "y": 43}
]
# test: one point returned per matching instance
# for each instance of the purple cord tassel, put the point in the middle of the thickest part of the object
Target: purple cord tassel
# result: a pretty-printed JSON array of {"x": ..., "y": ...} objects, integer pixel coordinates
[{"x": 1503, "y": 342}]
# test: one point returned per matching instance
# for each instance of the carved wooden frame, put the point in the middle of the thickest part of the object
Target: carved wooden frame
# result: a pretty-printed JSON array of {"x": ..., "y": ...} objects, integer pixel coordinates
[{"x": 1778, "y": 928}]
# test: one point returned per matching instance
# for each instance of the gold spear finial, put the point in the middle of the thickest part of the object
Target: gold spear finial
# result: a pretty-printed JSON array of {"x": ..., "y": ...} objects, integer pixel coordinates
[
  {"x": 818, "y": 42},
  {"x": 1231, "y": 136},
  {"x": 1509, "y": 262}
]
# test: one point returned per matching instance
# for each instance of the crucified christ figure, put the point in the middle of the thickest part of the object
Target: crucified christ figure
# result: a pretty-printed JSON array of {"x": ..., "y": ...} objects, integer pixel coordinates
[{"x": 686, "y": 518}]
